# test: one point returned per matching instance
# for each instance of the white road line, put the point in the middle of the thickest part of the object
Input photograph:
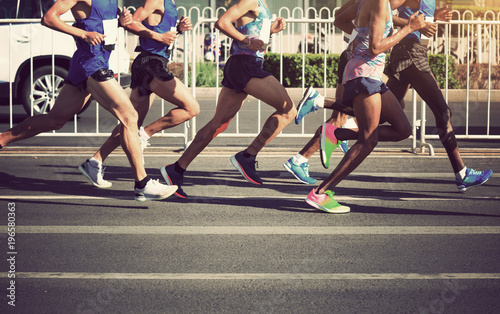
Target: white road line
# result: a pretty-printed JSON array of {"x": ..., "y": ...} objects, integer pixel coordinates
[
  {"x": 246, "y": 197},
  {"x": 254, "y": 276},
  {"x": 383, "y": 156},
  {"x": 258, "y": 230}
]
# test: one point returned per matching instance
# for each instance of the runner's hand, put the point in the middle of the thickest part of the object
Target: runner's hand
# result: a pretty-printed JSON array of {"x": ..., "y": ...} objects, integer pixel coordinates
[
  {"x": 168, "y": 38},
  {"x": 125, "y": 17},
  {"x": 416, "y": 21},
  {"x": 429, "y": 29},
  {"x": 93, "y": 38},
  {"x": 278, "y": 25},
  {"x": 185, "y": 24},
  {"x": 443, "y": 14}
]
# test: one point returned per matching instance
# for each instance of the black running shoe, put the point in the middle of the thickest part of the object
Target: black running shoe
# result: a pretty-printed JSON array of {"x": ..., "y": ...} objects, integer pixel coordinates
[
  {"x": 172, "y": 177},
  {"x": 246, "y": 166}
]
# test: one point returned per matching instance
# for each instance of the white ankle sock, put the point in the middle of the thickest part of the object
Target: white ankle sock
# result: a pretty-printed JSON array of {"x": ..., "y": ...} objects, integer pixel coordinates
[
  {"x": 320, "y": 101},
  {"x": 95, "y": 163},
  {"x": 299, "y": 159},
  {"x": 143, "y": 133},
  {"x": 461, "y": 174}
]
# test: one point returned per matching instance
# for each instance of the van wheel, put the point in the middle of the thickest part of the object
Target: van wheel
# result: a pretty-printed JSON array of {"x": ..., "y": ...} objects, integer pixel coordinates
[{"x": 44, "y": 89}]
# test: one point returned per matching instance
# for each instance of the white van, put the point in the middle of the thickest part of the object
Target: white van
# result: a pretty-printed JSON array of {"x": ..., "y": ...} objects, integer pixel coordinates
[{"x": 35, "y": 59}]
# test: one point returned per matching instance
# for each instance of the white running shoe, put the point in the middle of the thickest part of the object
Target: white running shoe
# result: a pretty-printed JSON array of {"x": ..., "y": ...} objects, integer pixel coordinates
[
  {"x": 154, "y": 191},
  {"x": 95, "y": 175}
]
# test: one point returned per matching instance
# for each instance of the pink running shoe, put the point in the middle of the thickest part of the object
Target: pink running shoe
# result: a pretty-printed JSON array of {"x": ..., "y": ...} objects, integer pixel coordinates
[
  {"x": 325, "y": 202},
  {"x": 328, "y": 143}
]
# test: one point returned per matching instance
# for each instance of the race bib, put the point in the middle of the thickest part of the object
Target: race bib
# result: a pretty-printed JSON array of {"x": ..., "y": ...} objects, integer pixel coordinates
[
  {"x": 265, "y": 31},
  {"x": 172, "y": 29},
  {"x": 111, "y": 31}
]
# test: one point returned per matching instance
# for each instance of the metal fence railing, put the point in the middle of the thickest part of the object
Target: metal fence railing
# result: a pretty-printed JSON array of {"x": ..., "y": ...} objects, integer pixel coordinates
[{"x": 467, "y": 39}]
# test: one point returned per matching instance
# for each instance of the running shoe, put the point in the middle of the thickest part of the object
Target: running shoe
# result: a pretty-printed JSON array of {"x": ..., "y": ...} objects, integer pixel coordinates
[
  {"x": 301, "y": 172},
  {"x": 325, "y": 202},
  {"x": 154, "y": 191},
  {"x": 328, "y": 143},
  {"x": 95, "y": 175},
  {"x": 173, "y": 178},
  {"x": 344, "y": 146},
  {"x": 246, "y": 166},
  {"x": 473, "y": 178},
  {"x": 307, "y": 104}
]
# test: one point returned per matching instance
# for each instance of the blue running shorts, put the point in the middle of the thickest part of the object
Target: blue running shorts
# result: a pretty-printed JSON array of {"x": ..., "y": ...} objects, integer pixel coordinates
[
  {"x": 240, "y": 69},
  {"x": 362, "y": 85}
]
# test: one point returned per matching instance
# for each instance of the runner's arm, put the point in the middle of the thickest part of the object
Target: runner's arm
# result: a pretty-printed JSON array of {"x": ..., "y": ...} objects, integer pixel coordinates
[{"x": 52, "y": 20}]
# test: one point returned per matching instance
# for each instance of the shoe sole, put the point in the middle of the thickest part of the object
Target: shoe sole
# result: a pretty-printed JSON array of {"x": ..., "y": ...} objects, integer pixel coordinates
[
  {"x": 302, "y": 101},
  {"x": 169, "y": 182},
  {"x": 463, "y": 190},
  {"x": 143, "y": 198},
  {"x": 322, "y": 152},
  {"x": 82, "y": 171},
  {"x": 285, "y": 165},
  {"x": 236, "y": 164},
  {"x": 344, "y": 210}
]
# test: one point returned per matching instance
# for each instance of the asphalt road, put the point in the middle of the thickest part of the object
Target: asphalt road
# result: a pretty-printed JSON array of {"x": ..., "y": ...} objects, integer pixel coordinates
[{"x": 412, "y": 243}]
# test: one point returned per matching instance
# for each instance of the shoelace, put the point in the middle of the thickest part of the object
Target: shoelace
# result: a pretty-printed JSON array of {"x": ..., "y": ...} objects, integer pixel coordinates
[
  {"x": 330, "y": 195},
  {"x": 474, "y": 172},
  {"x": 102, "y": 172}
]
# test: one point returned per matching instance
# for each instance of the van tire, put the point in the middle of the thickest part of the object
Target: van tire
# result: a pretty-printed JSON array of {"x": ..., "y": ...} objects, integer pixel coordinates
[{"x": 42, "y": 78}]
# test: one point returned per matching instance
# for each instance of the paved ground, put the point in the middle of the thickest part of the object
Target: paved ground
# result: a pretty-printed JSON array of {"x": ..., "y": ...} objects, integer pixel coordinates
[{"x": 412, "y": 243}]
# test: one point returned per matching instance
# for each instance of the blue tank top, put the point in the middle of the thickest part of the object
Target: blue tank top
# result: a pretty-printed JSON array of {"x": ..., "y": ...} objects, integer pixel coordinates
[
  {"x": 427, "y": 7},
  {"x": 168, "y": 21},
  {"x": 362, "y": 63},
  {"x": 251, "y": 30},
  {"x": 88, "y": 58}
]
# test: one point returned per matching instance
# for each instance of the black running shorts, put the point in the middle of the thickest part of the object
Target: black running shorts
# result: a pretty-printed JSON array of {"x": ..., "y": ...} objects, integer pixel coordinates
[{"x": 147, "y": 66}]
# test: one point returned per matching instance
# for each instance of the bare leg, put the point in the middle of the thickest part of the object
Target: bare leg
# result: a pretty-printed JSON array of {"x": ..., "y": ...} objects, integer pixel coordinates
[
  {"x": 175, "y": 92},
  {"x": 111, "y": 97},
  {"x": 142, "y": 105},
  {"x": 68, "y": 103},
  {"x": 228, "y": 105},
  {"x": 270, "y": 91},
  {"x": 368, "y": 110}
]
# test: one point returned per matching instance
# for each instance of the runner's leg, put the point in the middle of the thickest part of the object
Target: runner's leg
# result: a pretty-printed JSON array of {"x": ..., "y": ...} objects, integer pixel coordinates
[{"x": 69, "y": 102}]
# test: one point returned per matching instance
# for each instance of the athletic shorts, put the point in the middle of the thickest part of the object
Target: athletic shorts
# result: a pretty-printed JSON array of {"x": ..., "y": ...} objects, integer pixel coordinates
[
  {"x": 240, "y": 69},
  {"x": 147, "y": 66},
  {"x": 362, "y": 85},
  {"x": 100, "y": 75},
  {"x": 406, "y": 53}
]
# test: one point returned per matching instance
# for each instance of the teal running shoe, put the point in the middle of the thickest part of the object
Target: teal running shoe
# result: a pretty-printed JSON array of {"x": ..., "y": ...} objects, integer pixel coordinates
[
  {"x": 307, "y": 104},
  {"x": 344, "y": 146},
  {"x": 301, "y": 172},
  {"x": 473, "y": 178},
  {"x": 326, "y": 203}
]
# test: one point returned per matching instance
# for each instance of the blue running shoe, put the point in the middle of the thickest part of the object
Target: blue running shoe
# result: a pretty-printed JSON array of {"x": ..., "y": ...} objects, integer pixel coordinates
[
  {"x": 344, "y": 146},
  {"x": 246, "y": 166},
  {"x": 307, "y": 104},
  {"x": 473, "y": 178},
  {"x": 301, "y": 172},
  {"x": 172, "y": 177}
]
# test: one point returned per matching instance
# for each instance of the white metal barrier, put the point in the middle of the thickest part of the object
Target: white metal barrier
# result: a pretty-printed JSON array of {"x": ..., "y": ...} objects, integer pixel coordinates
[{"x": 315, "y": 34}]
